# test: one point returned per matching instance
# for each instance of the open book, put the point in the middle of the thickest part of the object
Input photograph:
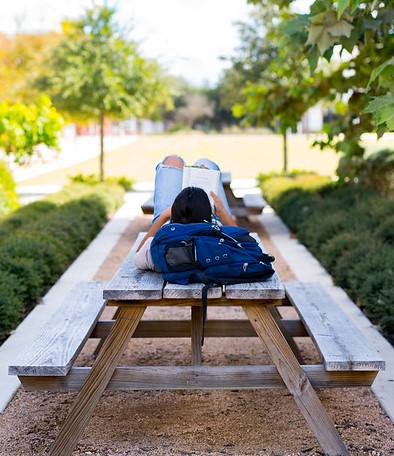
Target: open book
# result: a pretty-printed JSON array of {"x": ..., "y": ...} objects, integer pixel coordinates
[{"x": 207, "y": 179}]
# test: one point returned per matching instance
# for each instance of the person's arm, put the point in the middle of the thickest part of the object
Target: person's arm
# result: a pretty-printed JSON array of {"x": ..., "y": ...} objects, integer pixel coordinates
[
  {"x": 159, "y": 222},
  {"x": 224, "y": 217}
]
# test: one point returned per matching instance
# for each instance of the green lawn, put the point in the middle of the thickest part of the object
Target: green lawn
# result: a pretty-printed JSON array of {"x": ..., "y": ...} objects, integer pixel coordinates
[{"x": 245, "y": 155}]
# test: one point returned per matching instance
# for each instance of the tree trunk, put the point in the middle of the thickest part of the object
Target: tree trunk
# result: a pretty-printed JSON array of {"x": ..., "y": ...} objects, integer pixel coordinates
[
  {"x": 102, "y": 146},
  {"x": 285, "y": 152}
]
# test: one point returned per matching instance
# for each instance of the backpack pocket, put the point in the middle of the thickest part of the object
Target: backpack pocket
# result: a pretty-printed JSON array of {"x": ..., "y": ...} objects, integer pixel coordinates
[{"x": 181, "y": 256}]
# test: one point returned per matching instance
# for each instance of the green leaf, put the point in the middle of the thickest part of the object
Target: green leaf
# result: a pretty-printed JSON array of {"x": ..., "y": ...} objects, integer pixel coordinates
[
  {"x": 341, "y": 28},
  {"x": 238, "y": 110},
  {"x": 382, "y": 109},
  {"x": 294, "y": 26},
  {"x": 342, "y": 5},
  {"x": 381, "y": 130},
  {"x": 325, "y": 29},
  {"x": 313, "y": 58},
  {"x": 377, "y": 71}
]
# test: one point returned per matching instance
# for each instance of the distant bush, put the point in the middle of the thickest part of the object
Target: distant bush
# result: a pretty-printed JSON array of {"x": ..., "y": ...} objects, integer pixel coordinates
[
  {"x": 39, "y": 241},
  {"x": 294, "y": 193},
  {"x": 8, "y": 196},
  {"x": 93, "y": 179},
  {"x": 375, "y": 172},
  {"x": 350, "y": 229}
]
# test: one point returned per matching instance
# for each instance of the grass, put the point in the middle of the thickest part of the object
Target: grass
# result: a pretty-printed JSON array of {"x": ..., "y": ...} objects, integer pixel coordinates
[{"x": 244, "y": 155}]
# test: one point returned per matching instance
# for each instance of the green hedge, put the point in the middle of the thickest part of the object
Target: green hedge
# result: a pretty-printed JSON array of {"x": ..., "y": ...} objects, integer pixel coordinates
[
  {"x": 350, "y": 229},
  {"x": 39, "y": 241}
]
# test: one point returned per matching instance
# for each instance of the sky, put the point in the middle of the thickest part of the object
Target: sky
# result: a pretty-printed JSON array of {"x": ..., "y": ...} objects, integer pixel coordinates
[{"x": 186, "y": 36}]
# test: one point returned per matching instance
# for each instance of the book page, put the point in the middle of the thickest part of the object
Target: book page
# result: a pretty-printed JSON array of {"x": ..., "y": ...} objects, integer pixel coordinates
[{"x": 207, "y": 179}]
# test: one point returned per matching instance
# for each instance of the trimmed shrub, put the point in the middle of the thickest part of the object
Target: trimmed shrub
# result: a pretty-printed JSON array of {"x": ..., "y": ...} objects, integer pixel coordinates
[
  {"x": 11, "y": 305},
  {"x": 377, "y": 172},
  {"x": 93, "y": 179},
  {"x": 39, "y": 241},
  {"x": 24, "y": 216},
  {"x": 385, "y": 231},
  {"x": 350, "y": 229}
]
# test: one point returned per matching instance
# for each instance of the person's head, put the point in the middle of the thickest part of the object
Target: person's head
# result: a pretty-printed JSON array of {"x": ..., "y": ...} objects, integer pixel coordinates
[{"x": 191, "y": 206}]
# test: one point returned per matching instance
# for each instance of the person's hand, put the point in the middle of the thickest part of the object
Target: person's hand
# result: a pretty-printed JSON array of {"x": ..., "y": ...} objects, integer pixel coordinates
[
  {"x": 221, "y": 211},
  {"x": 218, "y": 204}
]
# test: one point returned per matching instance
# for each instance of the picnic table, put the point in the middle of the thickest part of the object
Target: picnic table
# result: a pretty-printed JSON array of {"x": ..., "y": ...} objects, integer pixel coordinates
[
  {"x": 48, "y": 363},
  {"x": 241, "y": 207}
]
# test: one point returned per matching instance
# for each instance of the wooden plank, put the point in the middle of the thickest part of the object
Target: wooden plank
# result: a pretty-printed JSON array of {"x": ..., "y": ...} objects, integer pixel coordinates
[
  {"x": 226, "y": 177},
  {"x": 341, "y": 345},
  {"x": 147, "y": 207},
  {"x": 182, "y": 328},
  {"x": 56, "y": 347},
  {"x": 193, "y": 377},
  {"x": 97, "y": 381},
  {"x": 239, "y": 211},
  {"x": 131, "y": 283},
  {"x": 136, "y": 285},
  {"x": 270, "y": 289},
  {"x": 190, "y": 291},
  {"x": 253, "y": 202},
  {"x": 296, "y": 380}
]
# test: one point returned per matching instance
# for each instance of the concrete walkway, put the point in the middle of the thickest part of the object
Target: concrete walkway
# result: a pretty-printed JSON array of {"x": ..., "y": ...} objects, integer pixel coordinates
[{"x": 302, "y": 263}]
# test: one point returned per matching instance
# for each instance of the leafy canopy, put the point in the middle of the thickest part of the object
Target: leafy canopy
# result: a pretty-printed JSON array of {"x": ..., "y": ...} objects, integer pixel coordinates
[
  {"x": 24, "y": 127},
  {"x": 95, "y": 70},
  {"x": 361, "y": 85}
]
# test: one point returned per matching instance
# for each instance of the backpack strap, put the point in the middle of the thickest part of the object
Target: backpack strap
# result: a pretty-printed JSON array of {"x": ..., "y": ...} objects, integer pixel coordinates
[
  {"x": 162, "y": 288},
  {"x": 208, "y": 283},
  {"x": 204, "y": 299}
]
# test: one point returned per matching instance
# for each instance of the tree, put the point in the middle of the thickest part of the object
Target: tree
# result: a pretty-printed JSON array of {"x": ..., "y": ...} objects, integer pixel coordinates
[
  {"x": 197, "y": 106},
  {"x": 361, "y": 85},
  {"x": 21, "y": 60},
  {"x": 96, "y": 72},
  {"x": 24, "y": 127},
  {"x": 277, "y": 89}
]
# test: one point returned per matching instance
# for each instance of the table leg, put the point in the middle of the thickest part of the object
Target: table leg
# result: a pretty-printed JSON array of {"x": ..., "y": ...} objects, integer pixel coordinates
[
  {"x": 295, "y": 379},
  {"x": 101, "y": 372},
  {"x": 276, "y": 316},
  {"x": 101, "y": 341},
  {"x": 196, "y": 335}
]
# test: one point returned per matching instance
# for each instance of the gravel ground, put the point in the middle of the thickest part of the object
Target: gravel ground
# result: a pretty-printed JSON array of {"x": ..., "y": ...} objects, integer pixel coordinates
[{"x": 236, "y": 422}]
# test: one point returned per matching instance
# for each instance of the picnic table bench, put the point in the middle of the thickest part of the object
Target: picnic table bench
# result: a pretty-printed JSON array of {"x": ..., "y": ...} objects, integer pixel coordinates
[
  {"x": 249, "y": 204},
  {"x": 347, "y": 359}
]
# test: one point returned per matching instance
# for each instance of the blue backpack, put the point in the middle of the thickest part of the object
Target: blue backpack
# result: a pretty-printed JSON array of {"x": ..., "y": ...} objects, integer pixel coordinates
[{"x": 210, "y": 254}]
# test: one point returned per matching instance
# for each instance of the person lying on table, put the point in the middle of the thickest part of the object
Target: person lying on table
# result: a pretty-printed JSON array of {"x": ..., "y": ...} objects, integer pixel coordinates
[{"x": 174, "y": 205}]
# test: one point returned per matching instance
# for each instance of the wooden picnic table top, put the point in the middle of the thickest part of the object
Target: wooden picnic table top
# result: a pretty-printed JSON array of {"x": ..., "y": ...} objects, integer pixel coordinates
[{"x": 130, "y": 283}]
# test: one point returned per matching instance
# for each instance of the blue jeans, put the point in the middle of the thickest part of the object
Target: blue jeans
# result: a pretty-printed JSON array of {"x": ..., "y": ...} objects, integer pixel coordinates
[{"x": 168, "y": 183}]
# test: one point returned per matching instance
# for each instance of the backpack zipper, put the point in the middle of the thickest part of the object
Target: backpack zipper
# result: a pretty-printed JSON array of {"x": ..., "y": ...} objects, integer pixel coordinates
[{"x": 217, "y": 228}]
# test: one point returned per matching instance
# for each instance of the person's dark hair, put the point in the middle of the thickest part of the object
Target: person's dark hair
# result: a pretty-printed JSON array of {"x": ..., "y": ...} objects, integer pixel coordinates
[{"x": 191, "y": 206}]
